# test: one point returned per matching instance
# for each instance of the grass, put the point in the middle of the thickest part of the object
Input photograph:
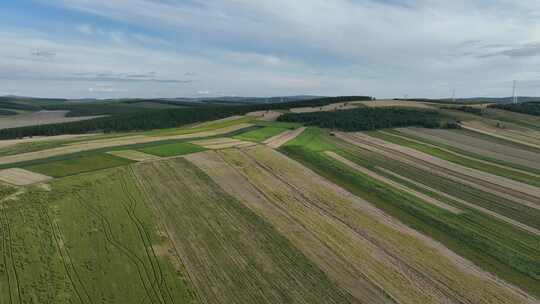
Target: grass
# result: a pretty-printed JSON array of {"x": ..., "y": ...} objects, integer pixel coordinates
[
  {"x": 511, "y": 174},
  {"x": 508, "y": 252},
  {"x": 78, "y": 164},
  {"x": 173, "y": 149},
  {"x": 261, "y": 134}
]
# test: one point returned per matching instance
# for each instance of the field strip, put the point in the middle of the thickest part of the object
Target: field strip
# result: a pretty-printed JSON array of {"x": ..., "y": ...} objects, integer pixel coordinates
[
  {"x": 329, "y": 259},
  {"x": 213, "y": 141},
  {"x": 109, "y": 143},
  {"x": 486, "y": 131},
  {"x": 528, "y": 192},
  {"x": 265, "y": 115},
  {"x": 390, "y": 182},
  {"x": 281, "y": 139},
  {"x": 21, "y": 177},
  {"x": 390, "y": 254},
  {"x": 235, "y": 117},
  {"x": 467, "y": 142},
  {"x": 460, "y": 155},
  {"x": 452, "y": 175},
  {"x": 473, "y": 206},
  {"x": 134, "y": 155}
]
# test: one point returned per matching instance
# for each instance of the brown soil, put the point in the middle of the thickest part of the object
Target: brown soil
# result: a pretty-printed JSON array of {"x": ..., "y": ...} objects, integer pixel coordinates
[{"x": 283, "y": 138}]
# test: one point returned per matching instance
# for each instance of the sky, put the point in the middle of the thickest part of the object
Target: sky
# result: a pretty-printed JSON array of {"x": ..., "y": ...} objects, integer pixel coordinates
[{"x": 203, "y": 48}]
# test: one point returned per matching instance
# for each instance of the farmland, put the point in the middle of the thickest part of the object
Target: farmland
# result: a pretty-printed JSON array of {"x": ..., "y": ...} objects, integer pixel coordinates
[{"x": 312, "y": 208}]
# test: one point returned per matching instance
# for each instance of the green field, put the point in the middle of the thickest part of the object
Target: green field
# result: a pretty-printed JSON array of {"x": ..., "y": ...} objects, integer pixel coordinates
[
  {"x": 261, "y": 134},
  {"x": 78, "y": 164},
  {"x": 173, "y": 149}
]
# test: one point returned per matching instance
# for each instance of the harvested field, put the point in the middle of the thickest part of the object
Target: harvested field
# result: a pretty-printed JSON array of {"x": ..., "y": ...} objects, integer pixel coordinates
[
  {"x": 459, "y": 155},
  {"x": 10, "y": 142},
  {"x": 518, "y": 192},
  {"x": 463, "y": 141},
  {"x": 484, "y": 210},
  {"x": 395, "y": 103},
  {"x": 265, "y": 115},
  {"x": 134, "y": 155},
  {"x": 230, "y": 254},
  {"x": 114, "y": 142},
  {"x": 528, "y": 138},
  {"x": 370, "y": 251},
  {"x": 330, "y": 107},
  {"x": 39, "y": 118},
  {"x": 390, "y": 182},
  {"x": 281, "y": 139},
  {"x": 21, "y": 177}
]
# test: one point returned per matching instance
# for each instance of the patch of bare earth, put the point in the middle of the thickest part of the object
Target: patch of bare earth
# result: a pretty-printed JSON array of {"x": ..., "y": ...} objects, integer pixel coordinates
[
  {"x": 114, "y": 142},
  {"x": 21, "y": 177},
  {"x": 375, "y": 257},
  {"x": 283, "y": 138},
  {"x": 510, "y": 189}
]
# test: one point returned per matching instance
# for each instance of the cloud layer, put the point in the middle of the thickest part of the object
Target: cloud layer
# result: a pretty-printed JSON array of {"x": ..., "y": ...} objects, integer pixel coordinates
[{"x": 165, "y": 48}]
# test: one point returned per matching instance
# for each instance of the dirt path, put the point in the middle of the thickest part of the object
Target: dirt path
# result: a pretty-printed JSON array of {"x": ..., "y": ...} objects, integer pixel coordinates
[
  {"x": 473, "y": 206},
  {"x": 453, "y": 175},
  {"x": 114, "y": 142},
  {"x": 283, "y": 138},
  {"x": 390, "y": 182}
]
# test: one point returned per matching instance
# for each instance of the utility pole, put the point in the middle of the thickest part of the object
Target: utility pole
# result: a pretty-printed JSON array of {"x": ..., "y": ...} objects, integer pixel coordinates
[{"x": 514, "y": 96}]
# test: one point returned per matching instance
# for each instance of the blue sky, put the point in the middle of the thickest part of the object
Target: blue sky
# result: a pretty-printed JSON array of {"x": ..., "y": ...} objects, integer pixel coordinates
[{"x": 198, "y": 48}]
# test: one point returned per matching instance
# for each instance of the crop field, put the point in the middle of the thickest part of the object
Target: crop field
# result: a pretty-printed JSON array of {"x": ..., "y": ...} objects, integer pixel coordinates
[
  {"x": 260, "y": 135},
  {"x": 395, "y": 103},
  {"x": 78, "y": 165},
  {"x": 526, "y": 137},
  {"x": 173, "y": 149},
  {"x": 243, "y": 210}
]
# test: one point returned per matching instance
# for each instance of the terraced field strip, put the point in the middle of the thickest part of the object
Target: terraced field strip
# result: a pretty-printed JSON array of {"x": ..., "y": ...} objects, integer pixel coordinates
[
  {"x": 464, "y": 141},
  {"x": 453, "y": 198},
  {"x": 134, "y": 155},
  {"x": 512, "y": 190},
  {"x": 390, "y": 182},
  {"x": 514, "y": 136},
  {"x": 226, "y": 119},
  {"x": 231, "y": 254},
  {"x": 378, "y": 252},
  {"x": 281, "y": 139},
  {"x": 21, "y": 177},
  {"x": 461, "y": 155},
  {"x": 114, "y": 142}
]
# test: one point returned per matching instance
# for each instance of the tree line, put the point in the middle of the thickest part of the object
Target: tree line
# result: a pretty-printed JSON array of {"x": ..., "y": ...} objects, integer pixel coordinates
[
  {"x": 160, "y": 119},
  {"x": 531, "y": 107},
  {"x": 365, "y": 119}
]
